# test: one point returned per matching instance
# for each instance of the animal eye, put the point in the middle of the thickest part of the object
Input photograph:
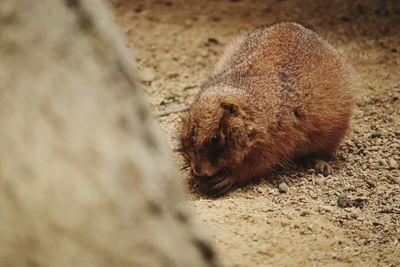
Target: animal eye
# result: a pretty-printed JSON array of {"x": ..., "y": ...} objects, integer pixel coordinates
[{"x": 215, "y": 139}]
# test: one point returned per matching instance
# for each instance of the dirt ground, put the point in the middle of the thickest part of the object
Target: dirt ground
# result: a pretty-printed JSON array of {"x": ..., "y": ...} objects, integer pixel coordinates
[{"x": 176, "y": 45}]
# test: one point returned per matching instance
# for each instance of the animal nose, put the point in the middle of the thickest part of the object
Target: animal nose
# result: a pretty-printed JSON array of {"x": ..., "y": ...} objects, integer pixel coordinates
[{"x": 196, "y": 169}]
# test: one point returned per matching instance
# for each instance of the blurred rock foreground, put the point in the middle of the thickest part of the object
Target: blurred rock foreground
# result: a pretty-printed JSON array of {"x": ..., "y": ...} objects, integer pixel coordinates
[{"x": 84, "y": 178}]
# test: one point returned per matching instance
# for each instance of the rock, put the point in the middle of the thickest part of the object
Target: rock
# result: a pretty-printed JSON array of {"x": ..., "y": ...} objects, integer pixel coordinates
[
  {"x": 147, "y": 75},
  {"x": 212, "y": 40},
  {"x": 342, "y": 201},
  {"x": 376, "y": 135},
  {"x": 393, "y": 164},
  {"x": 304, "y": 213},
  {"x": 283, "y": 187},
  {"x": 320, "y": 181},
  {"x": 358, "y": 202},
  {"x": 216, "y": 18},
  {"x": 188, "y": 23},
  {"x": 361, "y": 219},
  {"x": 396, "y": 180},
  {"x": 138, "y": 9},
  {"x": 204, "y": 53},
  {"x": 94, "y": 175},
  {"x": 326, "y": 208},
  {"x": 173, "y": 75},
  {"x": 370, "y": 183}
]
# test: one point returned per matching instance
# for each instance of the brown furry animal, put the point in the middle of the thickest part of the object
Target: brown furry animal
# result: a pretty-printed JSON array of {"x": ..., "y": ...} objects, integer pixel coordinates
[{"x": 278, "y": 93}]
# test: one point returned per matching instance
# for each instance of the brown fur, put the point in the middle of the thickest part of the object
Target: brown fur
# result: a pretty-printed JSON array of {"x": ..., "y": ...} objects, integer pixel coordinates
[{"x": 279, "y": 92}]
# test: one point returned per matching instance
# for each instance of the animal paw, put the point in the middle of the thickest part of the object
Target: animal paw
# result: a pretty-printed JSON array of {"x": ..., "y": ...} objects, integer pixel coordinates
[
  {"x": 322, "y": 167},
  {"x": 218, "y": 184}
]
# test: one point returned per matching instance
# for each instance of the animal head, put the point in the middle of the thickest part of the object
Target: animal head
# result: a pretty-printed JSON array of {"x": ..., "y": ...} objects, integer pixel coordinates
[{"x": 217, "y": 134}]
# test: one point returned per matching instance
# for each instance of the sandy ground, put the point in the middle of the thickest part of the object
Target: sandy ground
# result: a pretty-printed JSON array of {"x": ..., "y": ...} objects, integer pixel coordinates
[{"x": 177, "y": 43}]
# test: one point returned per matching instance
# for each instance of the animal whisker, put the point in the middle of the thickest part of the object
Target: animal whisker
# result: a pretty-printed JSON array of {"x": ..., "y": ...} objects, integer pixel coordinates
[
  {"x": 177, "y": 149},
  {"x": 185, "y": 167}
]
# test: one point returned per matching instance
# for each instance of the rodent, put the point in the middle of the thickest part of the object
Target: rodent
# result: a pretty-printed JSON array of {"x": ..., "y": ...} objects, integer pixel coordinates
[{"x": 278, "y": 93}]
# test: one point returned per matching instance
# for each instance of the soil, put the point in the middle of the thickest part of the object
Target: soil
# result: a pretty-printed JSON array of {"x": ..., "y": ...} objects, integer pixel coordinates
[{"x": 350, "y": 218}]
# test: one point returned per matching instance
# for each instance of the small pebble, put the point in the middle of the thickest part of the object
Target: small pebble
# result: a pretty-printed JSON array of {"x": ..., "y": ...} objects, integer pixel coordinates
[
  {"x": 376, "y": 135},
  {"x": 361, "y": 219},
  {"x": 212, "y": 40},
  {"x": 320, "y": 181},
  {"x": 283, "y": 187},
  {"x": 393, "y": 164},
  {"x": 215, "y": 18},
  {"x": 370, "y": 183},
  {"x": 396, "y": 180},
  {"x": 147, "y": 75},
  {"x": 173, "y": 75},
  {"x": 342, "y": 201},
  {"x": 358, "y": 202},
  {"x": 326, "y": 208},
  {"x": 304, "y": 213},
  {"x": 204, "y": 53},
  {"x": 138, "y": 10}
]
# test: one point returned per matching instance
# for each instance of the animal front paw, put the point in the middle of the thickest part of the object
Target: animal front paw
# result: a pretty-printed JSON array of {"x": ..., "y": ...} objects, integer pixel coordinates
[
  {"x": 322, "y": 167},
  {"x": 218, "y": 184}
]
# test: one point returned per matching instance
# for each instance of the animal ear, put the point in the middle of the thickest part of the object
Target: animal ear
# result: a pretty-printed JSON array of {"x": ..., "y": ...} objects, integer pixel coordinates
[{"x": 229, "y": 108}]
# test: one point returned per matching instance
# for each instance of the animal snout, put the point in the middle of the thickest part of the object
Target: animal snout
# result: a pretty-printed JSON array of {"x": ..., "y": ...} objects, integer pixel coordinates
[
  {"x": 201, "y": 170},
  {"x": 196, "y": 169}
]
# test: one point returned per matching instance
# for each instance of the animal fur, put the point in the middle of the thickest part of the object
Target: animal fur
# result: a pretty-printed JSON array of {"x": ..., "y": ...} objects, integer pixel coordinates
[{"x": 279, "y": 92}]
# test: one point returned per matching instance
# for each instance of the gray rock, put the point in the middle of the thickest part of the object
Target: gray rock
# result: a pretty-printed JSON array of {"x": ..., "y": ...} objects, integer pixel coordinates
[
  {"x": 342, "y": 201},
  {"x": 283, "y": 187},
  {"x": 147, "y": 75}
]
